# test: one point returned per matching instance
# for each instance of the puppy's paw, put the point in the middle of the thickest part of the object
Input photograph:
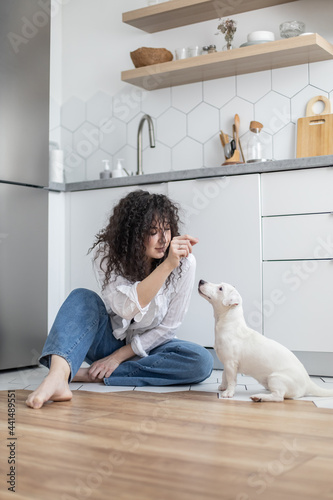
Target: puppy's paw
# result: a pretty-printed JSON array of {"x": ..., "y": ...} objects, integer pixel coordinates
[
  {"x": 222, "y": 387},
  {"x": 257, "y": 398},
  {"x": 227, "y": 394}
]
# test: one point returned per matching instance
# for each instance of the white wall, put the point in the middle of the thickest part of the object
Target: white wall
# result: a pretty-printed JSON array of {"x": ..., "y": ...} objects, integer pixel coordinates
[{"x": 95, "y": 49}]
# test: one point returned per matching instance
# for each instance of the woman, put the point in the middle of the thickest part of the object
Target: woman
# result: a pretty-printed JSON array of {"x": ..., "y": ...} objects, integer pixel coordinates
[{"x": 146, "y": 272}]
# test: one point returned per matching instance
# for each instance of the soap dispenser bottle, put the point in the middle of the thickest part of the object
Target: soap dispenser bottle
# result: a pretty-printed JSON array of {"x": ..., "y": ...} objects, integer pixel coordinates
[
  {"x": 118, "y": 171},
  {"x": 106, "y": 173}
]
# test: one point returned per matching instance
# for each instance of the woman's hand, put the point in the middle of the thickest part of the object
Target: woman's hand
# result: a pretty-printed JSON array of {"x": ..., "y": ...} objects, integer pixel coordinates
[
  {"x": 106, "y": 366},
  {"x": 103, "y": 367},
  {"x": 180, "y": 246}
]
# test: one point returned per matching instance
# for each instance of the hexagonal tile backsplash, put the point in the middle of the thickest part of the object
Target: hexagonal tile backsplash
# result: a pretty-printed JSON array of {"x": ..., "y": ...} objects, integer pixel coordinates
[{"x": 187, "y": 120}]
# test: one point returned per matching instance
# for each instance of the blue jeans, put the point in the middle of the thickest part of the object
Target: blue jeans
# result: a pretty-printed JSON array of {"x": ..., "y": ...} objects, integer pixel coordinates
[{"x": 82, "y": 331}]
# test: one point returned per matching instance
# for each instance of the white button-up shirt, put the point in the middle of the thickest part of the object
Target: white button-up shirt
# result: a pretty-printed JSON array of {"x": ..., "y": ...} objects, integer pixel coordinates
[{"x": 147, "y": 327}]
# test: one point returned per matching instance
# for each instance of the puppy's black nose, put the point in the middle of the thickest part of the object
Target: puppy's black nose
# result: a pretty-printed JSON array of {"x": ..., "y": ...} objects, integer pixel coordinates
[{"x": 202, "y": 282}]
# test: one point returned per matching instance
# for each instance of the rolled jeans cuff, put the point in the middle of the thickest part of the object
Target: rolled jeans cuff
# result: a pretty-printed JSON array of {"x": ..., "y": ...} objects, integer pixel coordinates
[{"x": 45, "y": 360}]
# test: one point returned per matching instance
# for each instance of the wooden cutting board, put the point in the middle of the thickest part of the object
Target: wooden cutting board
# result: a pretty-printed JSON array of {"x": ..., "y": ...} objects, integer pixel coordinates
[{"x": 315, "y": 132}]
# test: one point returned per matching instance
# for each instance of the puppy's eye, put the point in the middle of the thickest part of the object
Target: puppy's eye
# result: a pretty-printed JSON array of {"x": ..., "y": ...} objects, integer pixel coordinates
[{"x": 221, "y": 289}]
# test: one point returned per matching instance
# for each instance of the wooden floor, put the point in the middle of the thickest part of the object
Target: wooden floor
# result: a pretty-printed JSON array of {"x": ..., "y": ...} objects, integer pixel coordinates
[{"x": 175, "y": 446}]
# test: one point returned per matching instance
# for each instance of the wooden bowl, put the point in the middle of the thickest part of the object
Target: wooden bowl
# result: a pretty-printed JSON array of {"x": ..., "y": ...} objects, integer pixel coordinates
[{"x": 145, "y": 56}]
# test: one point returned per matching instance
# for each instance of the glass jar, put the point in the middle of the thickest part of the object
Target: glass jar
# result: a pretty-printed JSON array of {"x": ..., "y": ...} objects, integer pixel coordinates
[
  {"x": 255, "y": 146},
  {"x": 211, "y": 49},
  {"x": 289, "y": 29}
]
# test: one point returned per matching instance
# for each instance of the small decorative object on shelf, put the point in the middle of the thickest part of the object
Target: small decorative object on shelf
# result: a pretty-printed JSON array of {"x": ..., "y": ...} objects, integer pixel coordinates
[
  {"x": 208, "y": 49},
  {"x": 145, "y": 56},
  {"x": 289, "y": 29},
  {"x": 228, "y": 29}
]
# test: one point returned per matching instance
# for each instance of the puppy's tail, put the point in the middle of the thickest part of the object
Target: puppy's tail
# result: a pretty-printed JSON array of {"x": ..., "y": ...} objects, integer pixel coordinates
[{"x": 314, "y": 390}]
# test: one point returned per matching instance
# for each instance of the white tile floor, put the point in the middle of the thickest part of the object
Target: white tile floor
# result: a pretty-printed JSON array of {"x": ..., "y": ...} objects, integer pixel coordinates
[{"x": 30, "y": 378}]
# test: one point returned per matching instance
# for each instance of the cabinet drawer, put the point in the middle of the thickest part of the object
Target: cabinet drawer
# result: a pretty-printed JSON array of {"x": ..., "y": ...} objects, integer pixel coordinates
[
  {"x": 297, "y": 192},
  {"x": 297, "y": 304},
  {"x": 298, "y": 237}
]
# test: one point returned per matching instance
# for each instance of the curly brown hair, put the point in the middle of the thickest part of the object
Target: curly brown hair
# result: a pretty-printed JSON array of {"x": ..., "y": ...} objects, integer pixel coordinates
[{"x": 122, "y": 241}]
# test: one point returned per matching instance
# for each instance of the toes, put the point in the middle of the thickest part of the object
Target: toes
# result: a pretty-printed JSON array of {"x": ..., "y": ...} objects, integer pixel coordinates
[
  {"x": 34, "y": 403},
  {"x": 49, "y": 392}
]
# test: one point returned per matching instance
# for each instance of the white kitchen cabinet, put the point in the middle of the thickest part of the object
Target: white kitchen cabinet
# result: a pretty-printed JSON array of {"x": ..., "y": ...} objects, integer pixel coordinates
[
  {"x": 88, "y": 214},
  {"x": 297, "y": 305},
  {"x": 224, "y": 213},
  {"x": 297, "y": 192},
  {"x": 297, "y": 231},
  {"x": 298, "y": 237}
]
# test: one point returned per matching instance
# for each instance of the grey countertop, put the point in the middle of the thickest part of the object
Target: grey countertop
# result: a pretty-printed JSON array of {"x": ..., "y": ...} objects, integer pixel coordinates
[{"x": 198, "y": 173}]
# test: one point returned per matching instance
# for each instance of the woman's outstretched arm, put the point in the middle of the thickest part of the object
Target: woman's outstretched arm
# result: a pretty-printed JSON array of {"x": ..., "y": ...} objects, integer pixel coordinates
[{"x": 180, "y": 246}]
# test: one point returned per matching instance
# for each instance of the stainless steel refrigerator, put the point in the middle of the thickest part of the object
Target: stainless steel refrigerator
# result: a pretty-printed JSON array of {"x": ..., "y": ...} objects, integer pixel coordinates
[{"x": 24, "y": 138}]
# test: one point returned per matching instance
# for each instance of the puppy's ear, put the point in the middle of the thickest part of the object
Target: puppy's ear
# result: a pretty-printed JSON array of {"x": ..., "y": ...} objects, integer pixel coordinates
[{"x": 233, "y": 299}]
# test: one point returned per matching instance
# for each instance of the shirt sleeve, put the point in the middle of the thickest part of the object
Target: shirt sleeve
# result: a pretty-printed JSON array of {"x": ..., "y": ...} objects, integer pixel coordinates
[
  {"x": 119, "y": 296},
  {"x": 178, "y": 306}
]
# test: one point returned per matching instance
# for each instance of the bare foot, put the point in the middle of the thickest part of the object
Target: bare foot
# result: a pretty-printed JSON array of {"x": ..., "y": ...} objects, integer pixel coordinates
[
  {"x": 82, "y": 375},
  {"x": 53, "y": 388}
]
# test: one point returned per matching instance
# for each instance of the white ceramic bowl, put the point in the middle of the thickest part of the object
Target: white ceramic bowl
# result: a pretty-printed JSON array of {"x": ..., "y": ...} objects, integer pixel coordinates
[
  {"x": 257, "y": 36},
  {"x": 248, "y": 44}
]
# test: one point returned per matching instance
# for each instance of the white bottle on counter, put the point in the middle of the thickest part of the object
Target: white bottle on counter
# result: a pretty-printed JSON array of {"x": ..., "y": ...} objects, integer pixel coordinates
[
  {"x": 106, "y": 173},
  {"x": 119, "y": 171}
]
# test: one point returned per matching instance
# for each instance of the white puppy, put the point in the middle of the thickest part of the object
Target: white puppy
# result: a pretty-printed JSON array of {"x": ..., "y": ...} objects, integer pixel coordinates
[{"x": 243, "y": 350}]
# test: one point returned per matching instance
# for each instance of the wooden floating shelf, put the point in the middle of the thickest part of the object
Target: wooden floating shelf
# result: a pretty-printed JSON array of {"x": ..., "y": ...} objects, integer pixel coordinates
[
  {"x": 265, "y": 56},
  {"x": 176, "y": 13}
]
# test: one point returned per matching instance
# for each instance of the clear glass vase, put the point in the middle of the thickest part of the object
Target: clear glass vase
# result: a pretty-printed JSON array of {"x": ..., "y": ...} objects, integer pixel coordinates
[{"x": 229, "y": 39}]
